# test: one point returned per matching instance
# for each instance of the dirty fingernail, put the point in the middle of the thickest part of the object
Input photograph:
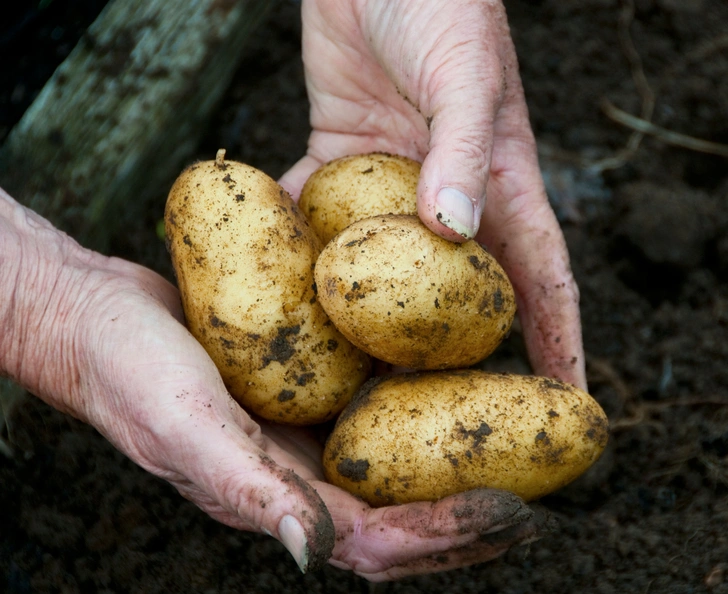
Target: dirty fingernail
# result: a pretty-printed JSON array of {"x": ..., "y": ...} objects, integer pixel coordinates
[
  {"x": 293, "y": 537},
  {"x": 511, "y": 516},
  {"x": 456, "y": 211}
]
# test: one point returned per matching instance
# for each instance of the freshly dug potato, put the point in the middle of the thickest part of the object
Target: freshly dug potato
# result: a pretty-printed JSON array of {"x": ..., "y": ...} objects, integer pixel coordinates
[
  {"x": 408, "y": 297},
  {"x": 244, "y": 256},
  {"x": 424, "y": 436},
  {"x": 356, "y": 187}
]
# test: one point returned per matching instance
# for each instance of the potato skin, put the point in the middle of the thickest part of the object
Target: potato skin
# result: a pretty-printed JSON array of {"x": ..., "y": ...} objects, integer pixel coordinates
[
  {"x": 408, "y": 297},
  {"x": 244, "y": 255},
  {"x": 424, "y": 436},
  {"x": 356, "y": 187}
]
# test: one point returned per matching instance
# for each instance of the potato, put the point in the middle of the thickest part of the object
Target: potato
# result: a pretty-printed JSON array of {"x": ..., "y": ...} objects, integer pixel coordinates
[
  {"x": 244, "y": 255},
  {"x": 424, "y": 436},
  {"x": 351, "y": 188},
  {"x": 406, "y": 296}
]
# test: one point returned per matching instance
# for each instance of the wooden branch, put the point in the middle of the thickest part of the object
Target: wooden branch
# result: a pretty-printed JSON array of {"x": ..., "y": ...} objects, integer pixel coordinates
[{"x": 117, "y": 120}]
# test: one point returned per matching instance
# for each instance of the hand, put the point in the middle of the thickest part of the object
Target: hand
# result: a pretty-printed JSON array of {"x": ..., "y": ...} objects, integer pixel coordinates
[
  {"x": 438, "y": 82},
  {"x": 102, "y": 339}
]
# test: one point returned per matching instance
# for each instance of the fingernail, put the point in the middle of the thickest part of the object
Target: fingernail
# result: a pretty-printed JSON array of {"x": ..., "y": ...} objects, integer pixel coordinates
[
  {"x": 293, "y": 537},
  {"x": 458, "y": 212},
  {"x": 511, "y": 518}
]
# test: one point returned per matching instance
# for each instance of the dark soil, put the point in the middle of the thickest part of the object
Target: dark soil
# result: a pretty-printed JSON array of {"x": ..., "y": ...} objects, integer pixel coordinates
[{"x": 650, "y": 252}]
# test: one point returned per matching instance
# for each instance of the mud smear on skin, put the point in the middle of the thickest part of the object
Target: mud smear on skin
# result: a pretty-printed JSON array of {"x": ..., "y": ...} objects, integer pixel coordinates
[{"x": 320, "y": 531}]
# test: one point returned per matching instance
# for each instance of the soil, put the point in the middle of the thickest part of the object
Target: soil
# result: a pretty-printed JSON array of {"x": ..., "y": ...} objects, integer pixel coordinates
[{"x": 650, "y": 252}]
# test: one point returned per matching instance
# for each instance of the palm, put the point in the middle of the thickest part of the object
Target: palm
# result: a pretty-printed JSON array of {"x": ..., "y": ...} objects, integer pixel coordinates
[
  {"x": 357, "y": 108},
  {"x": 354, "y": 109}
]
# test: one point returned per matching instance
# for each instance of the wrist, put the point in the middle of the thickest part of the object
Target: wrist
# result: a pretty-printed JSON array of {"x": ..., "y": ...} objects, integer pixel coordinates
[
  {"x": 58, "y": 306},
  {"x": 33, "y": 255}
]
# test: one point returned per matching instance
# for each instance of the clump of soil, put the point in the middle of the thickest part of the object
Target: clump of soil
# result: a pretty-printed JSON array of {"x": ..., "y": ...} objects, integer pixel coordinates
[{"x": 649, "y": 248}]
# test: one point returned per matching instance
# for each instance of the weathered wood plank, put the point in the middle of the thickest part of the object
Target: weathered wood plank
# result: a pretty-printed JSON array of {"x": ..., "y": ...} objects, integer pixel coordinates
[{"x": 118, "y": 118}]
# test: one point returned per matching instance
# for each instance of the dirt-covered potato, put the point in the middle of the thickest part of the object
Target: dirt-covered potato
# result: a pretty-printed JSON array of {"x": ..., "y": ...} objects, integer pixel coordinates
[
  {"x": 244, "y": 256},
  {"x": 408, "y": 297},
  {"x": 356, "y": 187},
  {"x": 424, "y": 436}
]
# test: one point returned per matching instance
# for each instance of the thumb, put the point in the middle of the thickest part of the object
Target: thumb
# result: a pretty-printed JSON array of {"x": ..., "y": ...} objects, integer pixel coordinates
[
  {"x": 465, "y": 85},
  {"x": 451, "y": 191},
  {"x": 231, "y": 477},
  {"x": 188, "y": 430}
]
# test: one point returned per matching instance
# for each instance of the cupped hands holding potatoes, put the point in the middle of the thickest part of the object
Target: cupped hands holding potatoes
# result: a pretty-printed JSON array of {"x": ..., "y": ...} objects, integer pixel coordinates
[{"x": 104, "y": 340}]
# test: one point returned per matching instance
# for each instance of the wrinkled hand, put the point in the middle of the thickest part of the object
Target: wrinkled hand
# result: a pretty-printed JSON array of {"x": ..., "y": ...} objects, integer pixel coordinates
[
  {"x": 102, "y": 339},
  {"x": 438, "y": 81}
]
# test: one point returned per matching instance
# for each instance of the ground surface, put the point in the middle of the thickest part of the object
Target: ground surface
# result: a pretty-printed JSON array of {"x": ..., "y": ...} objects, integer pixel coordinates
[{"x": 650, "y": 253}]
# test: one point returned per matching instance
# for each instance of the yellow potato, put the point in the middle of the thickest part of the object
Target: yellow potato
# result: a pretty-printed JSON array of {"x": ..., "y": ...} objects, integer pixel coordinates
[
  {"x": 406, "y": 296},
  {"x": 424, "y": 436},
  {"x": 356, "y": 187},
  {"x": 244, "y": 255}
]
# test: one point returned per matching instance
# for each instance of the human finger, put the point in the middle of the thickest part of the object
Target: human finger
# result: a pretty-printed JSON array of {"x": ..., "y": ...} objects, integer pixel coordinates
[
  {"x": 375, "y": 542},
  {"x": 466, "y": 87},
  {"x": 485, "y": 547},
  {"x": 520, "y": 229},
  {"x": 292, "y": 180}
]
